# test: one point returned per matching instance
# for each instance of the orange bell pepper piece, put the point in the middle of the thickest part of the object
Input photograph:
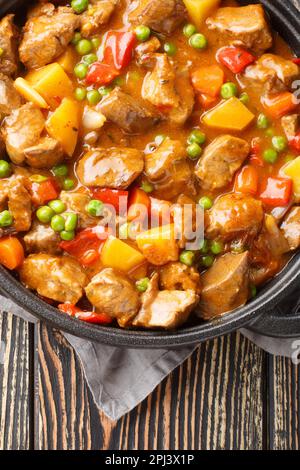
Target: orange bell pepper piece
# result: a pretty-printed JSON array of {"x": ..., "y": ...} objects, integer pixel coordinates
[{"x": 246, "y": 180}]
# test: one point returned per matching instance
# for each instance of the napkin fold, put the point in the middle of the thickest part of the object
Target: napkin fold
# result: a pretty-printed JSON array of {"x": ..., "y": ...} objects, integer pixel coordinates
[{"x": 120, "y": 379}]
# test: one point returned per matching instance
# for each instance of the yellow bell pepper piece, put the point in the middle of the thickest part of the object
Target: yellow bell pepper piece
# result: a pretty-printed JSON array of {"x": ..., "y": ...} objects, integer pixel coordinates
[
  {"x": 29, "y": 93},
  {"x": 118, "y": 255},
  {"x": 158, "y": 245},
  {"x": 292, "y": 170},
  {"x": 68, "y": 59},
  {"x": 199, "y": 10},
  {"x": 230, "y": 115},
  {"x": 63, "y": 125},
  {"x": 52, "y": 83}
]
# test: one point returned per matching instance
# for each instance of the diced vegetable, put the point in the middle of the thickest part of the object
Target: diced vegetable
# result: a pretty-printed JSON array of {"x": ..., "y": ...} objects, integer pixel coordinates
[
  {"x": 52, "y": 83},
  {"x": 280, "y": 105},
  {"x": 139, "y": 204},
  {"x": 63, "y": 125},
  {"x": 86, "y": 245},
  {"x": 68, "y": 60},
  {"x": 11, "y": 252},
  {"x": 89, "y": 317},
  {"x": 235, "y": 59},
  {"x": 208, "y": 80},
  {"x": 29, "y": 93},
  {"x": 206, "y": 101},
  {"x": 199, "y": 10},
  {"x": 246, "y": 180},
  {"x": 277, "y": 191},
  {"x": 159, "y": 245},
  {"x": 92, "y": 119},
  {"x": 294, "y": 143},
  {"x": 45, "y": 191},
  {"x": 256, "y": 153},
  {"x": 115, "y": 197},
  {"x": 292, "y": 170},
  {"x": 231, "y": 115},
  {"x": 118, "y": 48},
  {"x": 119, "y": 255},
  {"x": 101, "y": 74}
]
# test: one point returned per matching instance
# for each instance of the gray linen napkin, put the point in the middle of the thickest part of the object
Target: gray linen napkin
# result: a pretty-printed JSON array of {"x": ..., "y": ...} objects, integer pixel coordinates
[{"x": 120, "y": 379}]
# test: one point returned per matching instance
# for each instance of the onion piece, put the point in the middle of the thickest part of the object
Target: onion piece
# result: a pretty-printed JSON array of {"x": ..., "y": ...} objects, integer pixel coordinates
[{"x": 92, "y": 119}]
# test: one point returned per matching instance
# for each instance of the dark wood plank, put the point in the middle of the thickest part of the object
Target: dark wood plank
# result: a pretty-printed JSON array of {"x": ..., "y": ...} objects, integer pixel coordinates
[
  {"x": 14, "y": 383},
  {"x": 213, "y": 401}
]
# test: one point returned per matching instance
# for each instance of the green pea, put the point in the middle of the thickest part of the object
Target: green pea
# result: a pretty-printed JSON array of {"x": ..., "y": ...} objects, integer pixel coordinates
[
  {"x": 270, "y": 156},
  {"x": 244, "y": 98},
  {"x": 159, "y": 139},
  {"x": 196, "y": 137},
  {"x": 57, "y": 206},
  {"x": 90, "y": 58},
  {"x": 68, "y": 184},
  {"x": 95, "y": 208},
  {"x": 105, "y": 90},
  {"x": 207, "y": 261},
  {"x": 93, "y": 97},
  {"x": 71, "y": 221},
  {"x": 79, "y": 6},
  {"x": 6, "y": 219},
  {"x": 204, "y": 246},
  {"x": 170, "y": 48},
  {"x": 38, "y": 178},
  {"x": 253, "y": 290},
  {"x": 142, "y": 33},
  {"x": 81, "y": 70},
  {"x": 84, "y": 47},
  {"x": 216, "y": 247},
  {"x": 228, "y": 90},
  {"x": 262, "y": 121},
  {"x": 76, "y": 38},
  {"x": 58, "y": 223},
  {"x": 189, "y": 29},
  {"x": 44, "y": 214},
  {"x": 187, "y": 258},
  {"x": 194, "y": 151},
  {"x": 279, "y": 143},
  {"x": 198, "y": 41},
  {"x": 60, "y": 170},
  {"x": 5, "y": 169},
  {"x": 67, "y": 235},
  {"x": 147, "y": 187},
  {"x": 142, "y": 284},
  {"x": 206, "y": 203},
  {"x": 80, "y": 94},
  {"x": 96, "y": 43}
]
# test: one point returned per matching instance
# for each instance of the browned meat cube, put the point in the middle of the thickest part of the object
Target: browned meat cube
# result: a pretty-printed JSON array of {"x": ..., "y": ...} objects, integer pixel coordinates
[
  {"x": 9, "y": 99},
  {"x": 290, "y": 125},
  {"x": 132, "y": 115},
  {"x": 9, "y": 38},
  {"x": 56, "y": 277},
  {"x": 161, "y": 16},
  {"x": 159, "y": 85},
  {"x": 97, "y": 15},
  {"x": 145, "y": 50},
  {"x": 47, "y": 153},
  {"x": 47, "y": 35},
  {"x": 178, "y": 276},
  {"x": 220, "y": 160},
  {"x": 225, "y": 286},
  {"x": 291, "y": 228},
  {"x": 243, "y": 26},
  {"x": 19, "y": 203},
  {"x": 233, "y": 216},
  {"x": 42, "y": 239},
  {"x": 114, "y": 168},
  {"x": 77, "y": 202},
  {"x": 113, "y": 293},
  {"x": 167, "y": 309}
]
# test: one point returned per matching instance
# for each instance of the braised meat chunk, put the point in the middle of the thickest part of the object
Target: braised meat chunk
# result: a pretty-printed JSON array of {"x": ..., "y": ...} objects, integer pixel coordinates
[
  {"x": 9, "y": 38},
  {"x": 178, "y": 276},
  {"x": 19, "y": 203},
  {"x": 42, "y": 239},
  {"x": 130, "y": 114},
  {"x": 55, "y": 277},
  {"x": 97, "y": 15},
  {"x": 225, "y": 286},
  {"x": 243, "y": 26},
  {"x": 290, "y": 125},
  {"x": 220, "y": 160},
  {"x": 47, "y": 35},
  {"x": 162, "y": 17},
  {"x": 9, "y": 99},
  {"x": 114, "y": 168},
  {"x": 291, "y": 228},
  {"x": 77, "y": 202}
]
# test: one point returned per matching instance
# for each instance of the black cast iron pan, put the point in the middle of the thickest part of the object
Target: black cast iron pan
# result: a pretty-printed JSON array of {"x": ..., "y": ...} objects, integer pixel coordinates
[{"x": 286, "y": 20}]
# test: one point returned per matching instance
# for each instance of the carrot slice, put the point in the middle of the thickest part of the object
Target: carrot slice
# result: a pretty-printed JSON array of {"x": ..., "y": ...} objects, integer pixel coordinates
[
  {"x": 280, "y": 104},
  {"x": 11, "y": 252},
  {"x": 208, "y": 80}
]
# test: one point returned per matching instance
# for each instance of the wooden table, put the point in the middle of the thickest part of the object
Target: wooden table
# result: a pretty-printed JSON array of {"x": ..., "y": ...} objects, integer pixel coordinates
[{"x": 228, "y": 395}]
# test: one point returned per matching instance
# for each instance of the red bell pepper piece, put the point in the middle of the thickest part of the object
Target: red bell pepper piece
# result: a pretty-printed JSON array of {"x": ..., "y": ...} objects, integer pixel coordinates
[
  {"x": 255, "y": 153},
  {"x": 89, "y": 317},
  {"x": 294, "y": 143},
  {"x": 118, "y": 48},
  {"x": 235, "y": 59},
  {"x": 115, "y": 197},
  {"x": 138, "y": 198},
  {"x": 86, "y": 245},
  {"x": 45, "y": 191},
  {"x": 296, "y": 60},
  {"x": 277, "y": 192},
  {"x": 246, "y": 180},
  {"x": 101, "y": 74}
]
